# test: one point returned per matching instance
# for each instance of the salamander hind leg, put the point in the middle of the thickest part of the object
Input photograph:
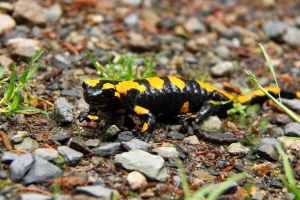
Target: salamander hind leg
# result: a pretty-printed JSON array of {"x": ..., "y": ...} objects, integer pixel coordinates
[
  {"x": 149, "y": 124},
  {"x": 91, "y": 115}
]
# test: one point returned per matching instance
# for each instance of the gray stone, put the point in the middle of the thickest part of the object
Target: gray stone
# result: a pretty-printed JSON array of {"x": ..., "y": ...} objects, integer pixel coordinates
[
  {"x": 92, "y": 142},
  {"x": 293, "y": 104},
  {"x": 97, "y": 160},
  {"x": 29, "y": 10},
  {"x": 292, "y": 37},
  {"x": 212, "y": 124},
  {"x": 125, "y": 136},
  {"x": 60, "y": 138},
  {"x": 268, "y": 152},
  {"x": 222, "y": 51},
  {"x": 63, "y": 111},
  {"x": 137, "y": 144},
  {"x": 97, "y": 191},
  {"x": 53, "y": 13},
  {"x": 27, "y": 144},
  {"x": 194, "y": 25},
  {"x": 20, "y": 166},
  {"x": 41, "y": 171},
  {"x": 175, "y": 135},
  {"x": 292, "y": 129},
  {"x": 152, "y": 166},
  {"x": 70, "y": 93},
  {"x": 237, "y": 149},
  {"x": 108, "y": 149},
  {"x": 112, "y": 131},
  {"x": 222, "y": 69},
  {"x": 7, "y": 23},
  {"x": 276, "y": 184},
  {"x": 132, "y": 2},
  {"x": 167, "y": 152},
  {"x": 297, "y": 21},
  {"x": 61, "y": 62},
  {"x": 131, "y": 20},
  {"x": 70, "y": 156},
  {"x": 182, "y": 152},
  {"x": 46, "y": 153},
  {"x": 191, "y": 59},
  {"x": 77, "y": 145},
  {"x": 37, "y": 32},
  {"x": 8, "y": 156},
  {"x": 33, "y": 196},
  {"x": 274, "y": 30},
  {"x": 23, "y": 47}
]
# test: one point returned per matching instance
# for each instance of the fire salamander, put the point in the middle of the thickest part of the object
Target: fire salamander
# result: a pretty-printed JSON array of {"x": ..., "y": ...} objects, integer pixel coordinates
[{"x": 156, "y": 97}]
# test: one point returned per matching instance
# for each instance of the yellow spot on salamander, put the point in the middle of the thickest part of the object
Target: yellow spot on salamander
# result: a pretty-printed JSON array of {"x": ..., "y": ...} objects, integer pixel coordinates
[
  {"x": 298, "y": 95},
  {"x": 185, "y": 107},
  {"x": 177, "y": 82},
  {"x": 91, "y": 82},
  {"x": 156, "y": 82},
  {"x": 124, "y": 86},
  {"x": 121, "y": 111},
  {"x": 247, "y": 97},
  {"x": 93, "y": 117},
  {"x": 140, "y": 110},
  {"x": 145, "y": 127},
  {"x": 117, "y": 94},
  {"x": 108, "y": 86},
  {"x": 211, "y": 88}
]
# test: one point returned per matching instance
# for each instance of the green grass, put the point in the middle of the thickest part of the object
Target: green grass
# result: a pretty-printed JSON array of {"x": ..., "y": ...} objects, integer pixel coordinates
[
  {"x": 11, "y": 100},
  {"x": 123, "y": 68}
]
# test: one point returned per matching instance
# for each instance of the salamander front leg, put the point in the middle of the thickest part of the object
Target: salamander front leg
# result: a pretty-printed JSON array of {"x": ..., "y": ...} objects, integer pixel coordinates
[
  {"x": 205, "y": 111},
  {"x": 91, "y": 115},
  {"x": 149, "y": 124}
]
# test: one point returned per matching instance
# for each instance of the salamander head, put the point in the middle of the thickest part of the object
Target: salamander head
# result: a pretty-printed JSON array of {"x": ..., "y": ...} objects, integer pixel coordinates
[{"x": 101, "y": 94}]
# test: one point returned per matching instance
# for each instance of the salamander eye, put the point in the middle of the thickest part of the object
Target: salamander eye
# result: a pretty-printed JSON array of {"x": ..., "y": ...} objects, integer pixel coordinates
[{"x": 84, "y": 85}]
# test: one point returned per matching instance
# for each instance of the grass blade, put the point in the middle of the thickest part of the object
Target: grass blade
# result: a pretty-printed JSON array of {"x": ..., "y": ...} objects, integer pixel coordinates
[
  {"x": 33, "y": 71},
  {"x": 16, "y": 101},
  {"x": 1, "y": 71},
  {"x": 11, "y": 86},
  {"x": 29, "y": 109},
  {"x": 185, "y": 186}
]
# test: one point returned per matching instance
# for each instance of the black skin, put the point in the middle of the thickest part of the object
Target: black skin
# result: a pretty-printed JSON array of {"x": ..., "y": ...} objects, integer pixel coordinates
[{"x": 162, "y": 104}]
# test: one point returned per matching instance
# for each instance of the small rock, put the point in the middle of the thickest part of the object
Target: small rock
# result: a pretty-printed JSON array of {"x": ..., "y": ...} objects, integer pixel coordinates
[
  {"x": 274, "y": 30},
  {"x": 264, "y": 168},
  {"x": 132, "y": 2},
  {"x": 108, "y": 149},
  {"x": 69, "y": 93},
  {"x": 191, "y": 59},
  {"x": 8, "y": 157},
  {"x": 97, "y": 160},
  {"x": 292, "y": 129},
  {"x": 29, "y": 10},
  {"x": 7, "y": 23},
  {"x": 125, "y": 136},
  {"x": 180, "y": 31},
  {"x": 149, "y": 16},
  {"x": 222, "y": 69},
  {"x": 41, "y": 171},
  {"x": 95, "y": 19},
  {"x": 47, "y": 154},
  {"x": 175, "y": 135},
  {"x": 293, "y": 104},
  {"x": 34, "y": 196},
  {"x": 271, "y": 141},
  {"x": 63, "y": 111},
  {"x": 297, "y": 21},
  {"x": 203, "y": 175},
  {"x": 290, "y": 144},
  {"x": 276, "y": 184},
  {"x": 54, "y": 12},
  {"x": 77, "y": 145},
  {"x": 136, "y": 180},
  {"x": 137, "y": 144},
  {"x": 6, "y": 6},
  {"x": 167, "y": 152},
  {"x": 222, "y": 51},
  {"x": 268, "y": 3},
  {"x": 131, "y": 20},
  {"x": 220, "y": 164},
  {"x": 96, "y": 191},
  {"x": 267, "y": 151},
  {"x": 182, "y": 152},
  {"x": 20, "y": 166},
  {"x": 27, "y": 144},
  {"x": 92, "y": 142},
  {"x": 152, "y": 166},
  {"x": 37, "y": 32},
  {"x": 60, "y": 138},
  {"x": 23, "y": 47},
  {"x": 61, "y": 62},
  {"x": 53, "y": 86},
  {"x": 237, "y": 149},
  {"x": 193, "y": 140},
  {"x": 112, "y": 131},
  {"x": 292, "y": 37},
  {"x": 3, "y": 174},
  {"x": 194, "y": 25},
  {"x": 212, "y": 124},
  {"x": 6, "y": 62},
  {"x": 71, "y": 157}
]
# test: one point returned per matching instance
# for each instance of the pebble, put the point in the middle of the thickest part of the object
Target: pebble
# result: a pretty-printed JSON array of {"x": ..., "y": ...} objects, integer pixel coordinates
[
  {"x": 132, "y": 2},
  {"x": 276, "y": 184},
  {"x": 290, "y": 144},
  {"x": 274, "y": 30},
  {"x": 193, "y": 140},
  {"x": 29, "y": 10},
  {"x": 20, "y": 166},
  {"x": 95, "y": 19},
  {"x": 63, "y": 111},
  {"x": 7, "y": 23},
  {"x": 222, "y": 69},
  {"x": 237, "y": 149},
  {"x": 175, "y": 135},
  {"x": 60, "y": 138},
  {"x": 220, "y": 164},
  {"x": 112, "y": 131},
  {"x": 191, "y": 59},
  {"x": 231, "y": 188},
  {"x": 34, "y": 196},
  {"x": 166, "y": 152},
  {"x": 37, "y": 32},
  {"x": 292, "y": 129},
  {"x": 97, "y": 160},
  {"x": 263, "y": 168},
  {"x": 256, "y": 193},
  {"x": 292, "y": 36},
  {"x": 182, "y": 152},
  {"x": 268, "y": 152},
  {"x": 137, "y": 144},
  {"x": 54, "y": 12},
  {"x": 96, "y": 191},
  {"x": 152, "y": 166},
  {"x": 47, "y": 154},
  {"x": 27, "y": 144},
  {"x": 212, "y": 124},
  {"x": 71, "y": 157},
  {"x": 131, "y": 20},
  {"x": 70, "y": 93},
  {"x": 222, "y": 51},
  {"x": 8, "y": 157},
  {"x": 297, "y": 21},
  {"x": 6, "y": 62},
  {"x": 293, "y": 104},
  {"x": 6, "y": 6},
  {"x": 203, "y": 175},
  {"x": 149, "y": 16},
  {"x": 136, "y": 180},
  {"x": 108, "y": 149},
  {"x": 41, "y": 171},
  {"x": 61, "y": 62},
  {"x": 92, "y": 142},
  {"x": 194, "y": 25},
  {"x": 23, "y": 47},
  {"x": 125, "y": 136}
]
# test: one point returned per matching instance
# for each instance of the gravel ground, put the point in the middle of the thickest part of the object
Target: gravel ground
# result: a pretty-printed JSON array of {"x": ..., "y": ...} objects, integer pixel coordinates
[{"x": 218, "y": 38}]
